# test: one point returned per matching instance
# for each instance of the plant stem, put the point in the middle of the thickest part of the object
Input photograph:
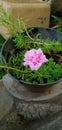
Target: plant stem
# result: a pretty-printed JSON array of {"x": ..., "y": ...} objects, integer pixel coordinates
[
  {"x": 27, "y": 31},
  {"x": 11, "y": 68},
  {"x": 29, "y": 35}
]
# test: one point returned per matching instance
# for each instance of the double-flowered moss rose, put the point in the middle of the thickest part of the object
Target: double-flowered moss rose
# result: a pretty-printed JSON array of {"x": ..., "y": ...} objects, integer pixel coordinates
[{"x": 34, "y": 59}]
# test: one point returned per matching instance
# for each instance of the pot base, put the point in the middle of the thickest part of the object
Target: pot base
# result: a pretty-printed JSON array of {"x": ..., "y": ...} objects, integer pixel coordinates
[{"x": 20, "y": 92}]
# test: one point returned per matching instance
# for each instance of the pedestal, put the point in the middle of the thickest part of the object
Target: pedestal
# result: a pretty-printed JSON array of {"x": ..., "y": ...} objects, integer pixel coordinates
[{"x": 34, "y": 105}]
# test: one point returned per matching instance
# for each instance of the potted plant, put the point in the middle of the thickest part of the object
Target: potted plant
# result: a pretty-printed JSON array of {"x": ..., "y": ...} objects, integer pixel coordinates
[{"x": 33, "y": 56}]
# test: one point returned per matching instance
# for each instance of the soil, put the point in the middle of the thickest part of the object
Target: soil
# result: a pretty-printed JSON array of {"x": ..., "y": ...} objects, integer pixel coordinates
[{"x": 57, "y": 57}]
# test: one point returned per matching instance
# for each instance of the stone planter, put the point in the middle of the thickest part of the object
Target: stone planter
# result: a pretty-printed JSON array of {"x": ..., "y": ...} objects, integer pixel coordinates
[{"x": 32, "y": 105}]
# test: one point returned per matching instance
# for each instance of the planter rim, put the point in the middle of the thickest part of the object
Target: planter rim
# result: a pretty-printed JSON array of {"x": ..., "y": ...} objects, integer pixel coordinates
[{"x": 35, "y": 85}]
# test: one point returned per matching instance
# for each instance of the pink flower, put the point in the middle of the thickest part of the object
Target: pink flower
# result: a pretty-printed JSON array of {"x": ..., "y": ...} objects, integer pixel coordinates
[{"x": 34, "y": 58}]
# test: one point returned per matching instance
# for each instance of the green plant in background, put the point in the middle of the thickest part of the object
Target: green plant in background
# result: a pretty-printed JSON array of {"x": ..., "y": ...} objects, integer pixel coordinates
[
  {"x": 1, "y": 40},
  {"x": 2, "y": 72},
  {"x": 12, "y": 24},
  {"x": 24, "y": 40},
  {"x": 58, "y": 23}
]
